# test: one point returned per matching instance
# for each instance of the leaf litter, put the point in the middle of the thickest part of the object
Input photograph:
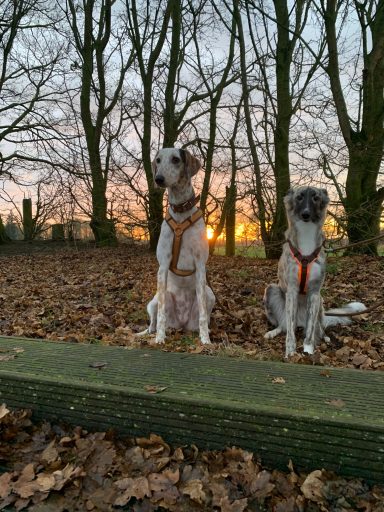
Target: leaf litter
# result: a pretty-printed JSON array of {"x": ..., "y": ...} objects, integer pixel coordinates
[
  {"x": 100, "y": 296},
  {"x": 49, "y": 467}
]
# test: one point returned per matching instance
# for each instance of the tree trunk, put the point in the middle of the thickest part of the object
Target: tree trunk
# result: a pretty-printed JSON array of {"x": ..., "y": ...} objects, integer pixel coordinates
[
  {"x": 27, "y": 219},
  {"x": 103, "y": 228},
  {"x": 3, "y": 234},
  {"x": 230, "y": 222},
  {"x": 365, "y": 143},
  {"x": 362, "y": 203},
  {"x": 281, "y": 133}
]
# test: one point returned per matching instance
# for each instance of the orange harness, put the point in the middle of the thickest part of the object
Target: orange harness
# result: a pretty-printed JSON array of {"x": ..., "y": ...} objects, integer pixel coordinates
[
  {"x": 178, "y": 229},
  {"x": 304, "y": 263}
]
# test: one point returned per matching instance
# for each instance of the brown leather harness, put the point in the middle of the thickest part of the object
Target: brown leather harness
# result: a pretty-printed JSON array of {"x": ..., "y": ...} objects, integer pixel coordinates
[
  {"x": 304, "y": 263},
  {"x": 178, "y": 229}
]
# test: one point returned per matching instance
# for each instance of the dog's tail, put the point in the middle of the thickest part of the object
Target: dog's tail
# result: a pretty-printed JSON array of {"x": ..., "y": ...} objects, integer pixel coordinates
[{"x": 344, "y": 319}]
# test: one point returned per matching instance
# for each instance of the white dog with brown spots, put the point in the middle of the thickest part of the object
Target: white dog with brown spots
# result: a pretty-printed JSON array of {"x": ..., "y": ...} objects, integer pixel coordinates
[{"x": 183, "y": 299}]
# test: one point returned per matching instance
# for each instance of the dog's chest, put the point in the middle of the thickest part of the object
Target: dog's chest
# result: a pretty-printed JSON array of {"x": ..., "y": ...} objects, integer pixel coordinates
[
  {"x": 307, "y": 234},
  {"x": 194, "y": 246}
]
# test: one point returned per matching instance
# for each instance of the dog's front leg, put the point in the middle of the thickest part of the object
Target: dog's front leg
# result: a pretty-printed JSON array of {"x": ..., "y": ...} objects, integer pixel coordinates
[
  {"x": 162, "y": 275},
  {"x": 291, "y": 314},
  {"x": 313, "y": 310},
  {"x": 201, "y": 294}
]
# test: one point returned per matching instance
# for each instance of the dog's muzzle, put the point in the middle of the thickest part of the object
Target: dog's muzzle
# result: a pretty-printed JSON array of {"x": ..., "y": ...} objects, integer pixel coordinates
[{"x": 160, "y": 180}]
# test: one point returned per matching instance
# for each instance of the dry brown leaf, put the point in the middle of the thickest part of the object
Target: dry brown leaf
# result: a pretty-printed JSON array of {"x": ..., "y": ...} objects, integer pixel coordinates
[
  {"x": 162, "y": 481},
  {"x": 7, "y": 357},
  {"x": 50, "y": 454},
  {"x": 194, "y": 489},
  {"x": 155, "y": 389},
  {"x": 336, "y": 402},
  {"x": 278, "y": 380},
  {"x": 3, "y": 411},
  {"x": 5, "y": 484},
  {"x": 24, "y": 486},
  {"x": 132, "y": 487},
  {"x": 312, "y": 486},
  {"x": 359, "y": 359}
]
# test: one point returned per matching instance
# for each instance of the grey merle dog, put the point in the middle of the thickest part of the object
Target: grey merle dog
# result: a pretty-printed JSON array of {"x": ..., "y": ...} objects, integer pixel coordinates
[
  {"x": 183, "y": 299},
  {"x": 296, "y": 301}
]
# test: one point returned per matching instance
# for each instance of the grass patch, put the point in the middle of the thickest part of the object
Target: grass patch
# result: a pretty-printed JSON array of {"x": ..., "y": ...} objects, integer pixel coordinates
[
  {"x": 251, "y": 251},
  {"x": 333, "y": 268}
]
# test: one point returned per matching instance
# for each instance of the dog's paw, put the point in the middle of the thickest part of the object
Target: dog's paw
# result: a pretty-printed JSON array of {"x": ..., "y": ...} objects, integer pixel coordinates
[
  {"x": 290, "y": 346},
  {"x": 160, "y": 337},
  {"x": 205, "y": 340},
  {"x": 308, "y": 348},
  {"x": 271, "y": 334},
  {"x": 142, "y": 333}
]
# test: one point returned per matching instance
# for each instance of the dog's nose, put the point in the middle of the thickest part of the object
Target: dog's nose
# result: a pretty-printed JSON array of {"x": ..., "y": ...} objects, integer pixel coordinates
[
  {"x": 160, "y": 180},
  {"x": 305, "y": 215}
]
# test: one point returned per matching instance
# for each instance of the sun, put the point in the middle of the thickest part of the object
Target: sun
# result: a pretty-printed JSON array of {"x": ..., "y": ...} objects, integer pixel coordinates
[{"x": 210, "y": 233}]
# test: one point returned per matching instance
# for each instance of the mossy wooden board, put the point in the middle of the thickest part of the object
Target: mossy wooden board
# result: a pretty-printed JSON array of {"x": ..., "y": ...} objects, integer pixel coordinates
[{"x": 332, "y": 419}]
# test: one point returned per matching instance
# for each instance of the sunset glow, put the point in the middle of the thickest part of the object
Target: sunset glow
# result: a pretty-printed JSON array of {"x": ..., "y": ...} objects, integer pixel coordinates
[{"x": 210, "y": 233}]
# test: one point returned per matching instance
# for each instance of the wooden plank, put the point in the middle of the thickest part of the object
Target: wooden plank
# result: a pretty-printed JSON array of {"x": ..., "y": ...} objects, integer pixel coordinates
[{"x": 334, "y": 421}]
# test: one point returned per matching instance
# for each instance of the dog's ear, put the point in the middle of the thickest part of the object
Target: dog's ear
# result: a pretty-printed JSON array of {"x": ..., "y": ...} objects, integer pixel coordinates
[
  {"x": 288, "y": 199},
  {"x": 191, "y": 163},
  {"x": 154, "y": 170},
  {"x": 324, "y": 197}
]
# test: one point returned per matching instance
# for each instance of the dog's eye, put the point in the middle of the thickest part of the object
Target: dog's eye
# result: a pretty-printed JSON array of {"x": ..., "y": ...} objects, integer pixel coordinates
[
  {"x": 316, "y": 198},
  {"x": 175, "y": 160},
  {"x": 300, "y": 197},
  {"x": 158, "y": 160}
]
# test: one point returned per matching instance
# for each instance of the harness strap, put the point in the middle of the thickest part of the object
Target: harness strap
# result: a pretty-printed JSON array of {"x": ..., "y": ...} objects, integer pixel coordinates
[
  {"x": 304, "y": 264},
  {"x": 178, "y": 229}
]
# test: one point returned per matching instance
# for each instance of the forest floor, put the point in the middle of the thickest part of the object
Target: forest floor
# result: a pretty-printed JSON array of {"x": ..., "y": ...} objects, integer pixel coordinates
[{"x": 100, "y": 296}]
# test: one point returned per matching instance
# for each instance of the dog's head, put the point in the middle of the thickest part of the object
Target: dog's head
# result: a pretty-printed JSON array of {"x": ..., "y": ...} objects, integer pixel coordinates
[
  {"x": 308, "y": 204},
  {"x": 173, "y": 166}
]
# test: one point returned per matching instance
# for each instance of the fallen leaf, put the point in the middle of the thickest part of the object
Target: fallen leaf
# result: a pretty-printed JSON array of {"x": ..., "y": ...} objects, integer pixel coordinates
[
  {"x": 194, "y": 489},
  {"x": 7, "y": 357},
  {"x": 359, "y": 359},
  {"x": 312, "y": 487},
  {"x": 50, "y": 454},
  {"x": 3, "y": 411},
  {"x": 98, "y": 365},
  {"x": 278, "y": 380},
  {"x": 337, "y": 402},
  {"x": 5, "y": 484},
  {"x": 132, "y": 487},
  {"x": 155, "y": 389}
]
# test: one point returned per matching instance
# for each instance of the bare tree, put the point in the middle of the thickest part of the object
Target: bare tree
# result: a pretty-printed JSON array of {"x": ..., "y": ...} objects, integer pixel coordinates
[
  {"x": 29, "y": 53},
  {"x": 362, "y": 127},
  {"x": 283, "y": 73},
  {"x": 103, "y": 61}
]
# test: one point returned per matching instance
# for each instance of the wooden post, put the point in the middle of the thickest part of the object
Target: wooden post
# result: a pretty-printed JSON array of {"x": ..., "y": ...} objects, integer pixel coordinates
[
  {"x": 58, "y": 232},
  {"x": 27, "y": 219}
]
